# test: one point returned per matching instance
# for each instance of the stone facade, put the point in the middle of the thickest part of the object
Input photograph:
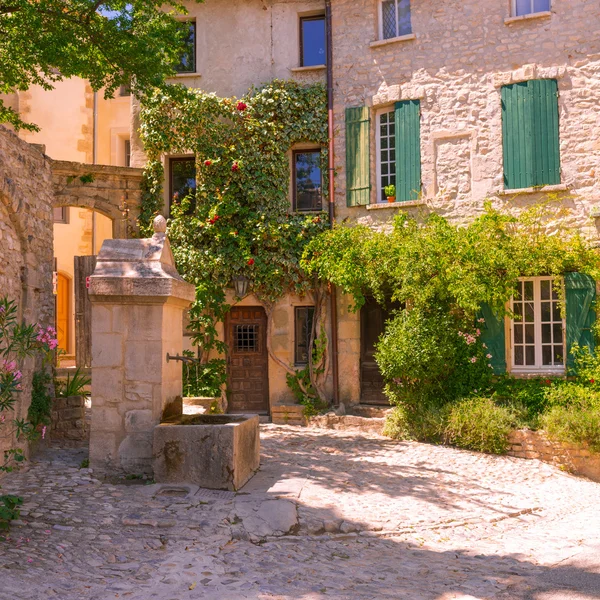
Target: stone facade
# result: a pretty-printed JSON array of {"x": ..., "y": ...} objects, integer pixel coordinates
[
  {"x": 68, "y": 426},
  {"x": 570, "y": 457},
  {"x": 25, "y": 243},
  {"x": 460, "y": 55}
]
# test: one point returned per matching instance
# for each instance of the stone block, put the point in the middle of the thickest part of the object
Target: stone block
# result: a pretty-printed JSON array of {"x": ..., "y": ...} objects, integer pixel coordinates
[
  {"x": 143, "y": 361},
  {"x": 107, "y": 349},
  {"x": 138, "y": 420},
  {"x": 135, "y": 453},
  {"x": 212, "y": 451}
]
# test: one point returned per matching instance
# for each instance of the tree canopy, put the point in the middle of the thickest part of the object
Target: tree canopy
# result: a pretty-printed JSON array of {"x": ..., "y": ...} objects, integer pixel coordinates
[{"x": 108, "y": 42}]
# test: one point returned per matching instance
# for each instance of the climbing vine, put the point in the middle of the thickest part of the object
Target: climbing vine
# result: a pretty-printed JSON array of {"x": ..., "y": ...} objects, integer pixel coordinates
[{"x": 238, "y": 221}]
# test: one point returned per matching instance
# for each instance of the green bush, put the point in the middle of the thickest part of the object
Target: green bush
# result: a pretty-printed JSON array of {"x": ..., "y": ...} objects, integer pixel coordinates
[
  {"x": 40, "y": 409},
  {"x": 422, "y": 423},
  {"x": 430, "y": 357},
  {"x": 479, "y": 424},
  {"x": 574, "y": 414}
]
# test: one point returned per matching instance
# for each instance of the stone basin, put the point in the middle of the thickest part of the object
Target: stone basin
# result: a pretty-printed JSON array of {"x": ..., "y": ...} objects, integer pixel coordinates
[{"x": 220, "y": 452}]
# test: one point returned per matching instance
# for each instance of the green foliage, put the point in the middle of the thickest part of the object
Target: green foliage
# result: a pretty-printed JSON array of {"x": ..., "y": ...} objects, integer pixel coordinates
[
  {"x": 73, "y": 386},
  {"x": 9, "y": 510},
  {"x": 40, "y": 409},
  {"x": 479, "y": 424},
  {"x": 85, "y": 463},
  {"x": 238, "y": 221},
  {"x": 423, "y": 422},
  {"x": 574, "y": 414},
  {"x": 203, "y": 379},
  {"x": 390, "y": 190},
  {"x": 109, "y": 43}
]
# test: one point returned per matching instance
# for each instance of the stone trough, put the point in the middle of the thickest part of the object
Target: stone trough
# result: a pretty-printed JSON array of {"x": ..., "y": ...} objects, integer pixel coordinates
[{"x": 220, "y": 452}]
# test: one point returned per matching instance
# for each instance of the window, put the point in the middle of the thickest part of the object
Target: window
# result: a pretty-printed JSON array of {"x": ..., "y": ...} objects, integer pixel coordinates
[
  {"x": 529, "y": 7},
  {"x": 127, "y": 151},
  {"x": 124, "y": 90},
  {"x": 386, "y": 152},
  {"x": 399, "y": 151},
  {"x": 394, "y": 18},
  {"x": 182, "y": 180},
  {"x": 537, "y": 331},
  {"x": 530, "y": 134},
  {"x": 187, "y": 63},
  {"x": 307, "y": 180},
  {"x": 245, "y": 338},
  {"x": 312, "y": 41},
  {"x": 61, "y": 214},
  {"x": 302, "y": 332}
]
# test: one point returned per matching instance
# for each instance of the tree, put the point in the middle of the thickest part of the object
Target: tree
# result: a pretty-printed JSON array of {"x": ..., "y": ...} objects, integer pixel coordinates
[{"x": 108, "y": 42}]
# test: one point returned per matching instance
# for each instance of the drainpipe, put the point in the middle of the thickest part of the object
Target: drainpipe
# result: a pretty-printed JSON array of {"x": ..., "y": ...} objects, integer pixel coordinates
[
  {"x": 332, "y": 295},
  {"x": 94, "y": 130}
]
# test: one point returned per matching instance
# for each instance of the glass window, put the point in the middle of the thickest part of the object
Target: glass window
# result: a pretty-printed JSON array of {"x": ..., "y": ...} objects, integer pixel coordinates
[
  {"x": 182, "y": 178},
  {"x": 61, "y": 214},
  {"x": 303, "y": 327},
  {"x": 529, "y": 7},
  {"x": 386, "y": 152},
  {"x": 537, "y": 327},
  {"x": 125, "y": 90},
  {"x": 308, "y": 186},
  {"x": 187, "y": 63},
  {"x": 127, "y": 149},
  {"x": 312, "y": 41},
  {"x": 394, "y": 18}
]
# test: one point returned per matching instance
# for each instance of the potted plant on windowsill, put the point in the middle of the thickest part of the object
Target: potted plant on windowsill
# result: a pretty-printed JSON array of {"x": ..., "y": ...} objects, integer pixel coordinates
[{"x": 390, "y": 192}]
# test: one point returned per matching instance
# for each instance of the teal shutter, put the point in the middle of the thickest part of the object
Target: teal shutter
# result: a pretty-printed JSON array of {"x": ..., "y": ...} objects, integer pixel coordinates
[
  {"x": 358, "y": 182},
  {"x": 580, "y": 293},
  {"x": 494, "y": 337},
  {"x": 530, "y": 136},
  {"x": 407, "y": 115}
]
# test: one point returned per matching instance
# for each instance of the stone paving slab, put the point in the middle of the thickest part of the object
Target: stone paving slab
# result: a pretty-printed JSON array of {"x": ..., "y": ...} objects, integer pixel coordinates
[{"x": 366, "y": 518}]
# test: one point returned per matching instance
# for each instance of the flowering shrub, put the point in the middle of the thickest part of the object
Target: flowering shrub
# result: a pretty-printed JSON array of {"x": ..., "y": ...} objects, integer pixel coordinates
[{"x": 17, "y": 342}]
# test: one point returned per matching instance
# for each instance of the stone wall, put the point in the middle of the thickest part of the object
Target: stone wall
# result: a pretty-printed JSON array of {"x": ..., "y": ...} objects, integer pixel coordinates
[
  {"x": 25, "y": 244},
  {"x": 570, "y": 457},
  {"x": 68, "y": 426}
]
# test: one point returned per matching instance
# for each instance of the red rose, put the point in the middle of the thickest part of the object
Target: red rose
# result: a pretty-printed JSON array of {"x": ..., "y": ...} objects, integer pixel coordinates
[
  {"x": 592, "y": 381},
  {"x": 548, "y": 382},
  {"x": 250, "y": 262},
  {"x": 207, "y": 163},
  {"x": 216, "y": 217},
  {"x": 235, "y": 166},
  {"x": 241, "y": 106}
]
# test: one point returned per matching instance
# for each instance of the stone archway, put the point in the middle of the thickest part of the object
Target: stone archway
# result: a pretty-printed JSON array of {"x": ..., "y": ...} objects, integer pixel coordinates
[{"x": 101, "y": 188}]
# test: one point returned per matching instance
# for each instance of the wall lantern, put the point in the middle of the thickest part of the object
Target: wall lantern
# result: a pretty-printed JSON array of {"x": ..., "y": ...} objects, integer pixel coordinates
[{"x": 240, "y": 284}]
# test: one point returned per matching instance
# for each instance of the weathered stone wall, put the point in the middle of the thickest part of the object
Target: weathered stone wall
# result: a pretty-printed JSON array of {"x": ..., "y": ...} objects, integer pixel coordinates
[
  {"x": 109, "y": 188},
  {"x": 461, "y": 54},
  {"x": 573, "y": 458},
  {"x": 25, "y": 244},
  {"x": 68, "y": 426}
]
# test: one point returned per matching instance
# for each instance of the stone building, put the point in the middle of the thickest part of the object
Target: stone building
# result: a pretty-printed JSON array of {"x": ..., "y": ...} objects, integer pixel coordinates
[{"x": 458, "y": 101}]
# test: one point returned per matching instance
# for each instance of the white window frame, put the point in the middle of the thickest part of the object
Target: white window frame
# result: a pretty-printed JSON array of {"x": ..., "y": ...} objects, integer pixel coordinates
[
  {"x": 389, "y": 109},
  {"x": 380, "y": 13},
  {"x": 531, "y": 12},
  {"x": 538, "y": 368}
]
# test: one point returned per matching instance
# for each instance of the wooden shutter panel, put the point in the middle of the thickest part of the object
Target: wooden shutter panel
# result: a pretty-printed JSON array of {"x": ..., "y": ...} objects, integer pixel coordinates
[
  {"x": 580, "y": 292},
  {"x": 358, "y": 183},
  {"x": 494, "y": 337},
  {"x": 530, "y": 136},
  {"x": 407, "y": 116}
]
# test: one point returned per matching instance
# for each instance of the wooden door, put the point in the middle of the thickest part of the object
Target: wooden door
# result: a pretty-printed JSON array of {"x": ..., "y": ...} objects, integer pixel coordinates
[
  {"x": 84, "y": 267},
  {"x": 372, "y": 323},
  {"x": 248, "y": 362},
  {"x": 63, "y": 314}
]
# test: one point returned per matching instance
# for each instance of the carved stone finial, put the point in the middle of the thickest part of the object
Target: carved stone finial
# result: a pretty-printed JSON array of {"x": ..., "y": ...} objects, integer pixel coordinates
[{"x": 160, "y": 224}]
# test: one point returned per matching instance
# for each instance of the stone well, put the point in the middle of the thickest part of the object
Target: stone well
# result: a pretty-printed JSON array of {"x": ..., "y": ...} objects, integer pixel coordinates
[{"x": 213, "y": 451}]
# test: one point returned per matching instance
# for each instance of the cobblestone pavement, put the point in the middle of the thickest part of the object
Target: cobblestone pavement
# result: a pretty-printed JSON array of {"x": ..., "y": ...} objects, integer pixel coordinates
[{"x": 330, "y": 515}]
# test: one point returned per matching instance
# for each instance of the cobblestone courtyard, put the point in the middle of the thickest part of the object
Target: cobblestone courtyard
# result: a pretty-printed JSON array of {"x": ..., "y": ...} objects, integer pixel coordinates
[{"x": 329, "y": 515}]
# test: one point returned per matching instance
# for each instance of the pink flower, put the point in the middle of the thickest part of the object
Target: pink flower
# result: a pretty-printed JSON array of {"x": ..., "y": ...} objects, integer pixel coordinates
[
  {"x": 241, "y": 106},
  {"x": 478, "y": 332},
  {"x": 481, "y": 320},
  {"x": 473, "y": 359},
  {"x": 490, "y": 366},
  {"x": 2, "y": 418},
  {"x": 488, "y": 356},
  {"x": 44, "y": 432},
  {"x": 484, "y": 346}
]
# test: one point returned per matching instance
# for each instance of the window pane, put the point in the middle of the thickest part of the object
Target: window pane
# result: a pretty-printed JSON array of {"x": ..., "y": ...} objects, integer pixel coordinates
[
  {"x": 404, "y": 25},
  {"x": 518, "y": 310},
  {"x": 519, "y": 355},
  {"x": 545, "y": 312},
  {"x": 523, "y": 7},
  {"x": 60, "y": 214},
  {"x": 545, "y": 290},
  {"x": 187, "y": 63},
  {"x": 541, "y": 5},
  {"x": 518, "y": 334},
  {"x": 558, "y": 355},
  {"x": 529, "y": 312},
  {"x": 528, "y": 285},
  {"x": 546, "y": 355},
  {"x": 313, "y": 41},
  {"x": 530, "y": 355},
  {"x": 303, "y": 326},
  {"x": 388, "y": 19},
  {"x": 558, "y": 333},
  {"x": 308, "y": 180},
  {"x": 529, "y": 334},
  {"x": 556, "y": 311},
  {"x": 387, "y": 152},
  {"x": 546, "y": 334},
  {"x": 183, "y": 178}
]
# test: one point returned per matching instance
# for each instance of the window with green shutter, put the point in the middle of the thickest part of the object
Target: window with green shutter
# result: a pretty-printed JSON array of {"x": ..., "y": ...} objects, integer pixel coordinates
[
  {"x": 408, "y": 150},
  {"x": 580, "y": 297},
  {"x": 358, "y": 183},
  {"x": 530, "y": 134},
  {"x": 493, "y": 336}
]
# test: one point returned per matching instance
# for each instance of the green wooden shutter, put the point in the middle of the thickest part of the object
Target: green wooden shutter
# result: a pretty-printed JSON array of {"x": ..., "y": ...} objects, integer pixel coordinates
[
  {"x": 530, "y": 137},
  {"x": 494, "y": 337},
  {"x": 407, "y": 116},
  {"x": 358, "y": 183},
  {"x": 580, "y": 292}
]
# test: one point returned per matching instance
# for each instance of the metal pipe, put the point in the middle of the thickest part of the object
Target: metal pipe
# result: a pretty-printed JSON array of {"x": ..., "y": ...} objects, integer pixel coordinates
[
  {"x": 331, "y": 173},
  {"x": 95, "y": 130}
]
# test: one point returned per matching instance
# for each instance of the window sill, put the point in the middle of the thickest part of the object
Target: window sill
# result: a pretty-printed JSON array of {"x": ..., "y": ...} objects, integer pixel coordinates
[
  {"x": 561, "y": 187},
  {"x": 384, "y": 205},
  {"x": 539, "y": 15},
  {"x": 310, "y": 68},
  {"x": 402, "y": 38},
  {"x": 178, "y": 75},
  {"x": 527, "y": 374}
]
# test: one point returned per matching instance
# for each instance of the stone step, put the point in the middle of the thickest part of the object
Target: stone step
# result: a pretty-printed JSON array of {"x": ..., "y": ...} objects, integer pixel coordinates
[
  {"x": 348, "y": 423},
  {"x": 366, "y": 410}
]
